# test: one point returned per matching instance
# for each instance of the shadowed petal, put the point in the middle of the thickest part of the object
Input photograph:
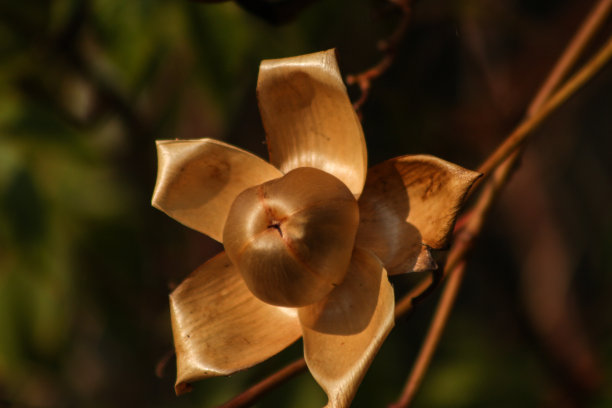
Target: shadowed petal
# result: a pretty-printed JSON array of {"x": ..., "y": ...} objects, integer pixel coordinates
[
  {"x": 197, "y": 181},
  {"x": 219, "y": 327},
  {"x": 309, "y": 119},
  {"x": 409, "y": 204},
  {"x": 343, "y": 333}
]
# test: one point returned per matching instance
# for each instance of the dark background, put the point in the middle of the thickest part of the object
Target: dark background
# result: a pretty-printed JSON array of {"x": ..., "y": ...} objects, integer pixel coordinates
[{"x": 86, "y": 263}]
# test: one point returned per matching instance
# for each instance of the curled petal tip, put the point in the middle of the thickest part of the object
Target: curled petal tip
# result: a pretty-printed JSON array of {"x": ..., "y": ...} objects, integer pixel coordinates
[
  {"x": 219, "y": 327},
  {"x": 197, "y": 181},
  {"x": 338, "y": 360},
  {"x": 309, "y": 119},
  {"x": 409, "y": 201},
  {"x": 425, "y": 261},
  {"x": 181, "y": 387}
]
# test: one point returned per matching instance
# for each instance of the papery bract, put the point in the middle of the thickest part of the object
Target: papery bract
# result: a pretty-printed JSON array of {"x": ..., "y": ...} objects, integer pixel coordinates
[
  {"x": 312, "y": 233},
  {"x": 292, "y": 237}
]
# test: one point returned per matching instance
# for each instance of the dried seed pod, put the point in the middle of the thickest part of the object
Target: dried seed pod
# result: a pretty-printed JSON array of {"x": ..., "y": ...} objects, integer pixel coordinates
[{"x": 292, "y": 237}]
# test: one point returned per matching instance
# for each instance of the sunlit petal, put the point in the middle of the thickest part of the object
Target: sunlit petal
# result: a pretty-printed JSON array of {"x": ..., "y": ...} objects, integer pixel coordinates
[
  {"x": 198, "y": 180},
  {"x": 219, "y": 327},
  {"x": 308, "y": 118},
  {"x": 408, "y": 202},
  {"x": 292, "y": 238},
  {"x": 343, "y": 333}
]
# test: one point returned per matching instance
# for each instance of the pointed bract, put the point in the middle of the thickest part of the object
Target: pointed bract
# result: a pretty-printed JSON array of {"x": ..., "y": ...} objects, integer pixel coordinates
[
  {"x": 219, "y": 327},
  {"x": 198, "y": 180},
  {"x": 343, "y": 333},
  {"x": 410, "y": 202},
  {"x": 425, "y": 261},
  {"x": 309, "y": 119}
]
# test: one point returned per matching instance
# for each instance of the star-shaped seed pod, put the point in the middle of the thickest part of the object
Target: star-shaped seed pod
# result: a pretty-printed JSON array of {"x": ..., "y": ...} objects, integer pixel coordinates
[{"x": 310, "y": 237}]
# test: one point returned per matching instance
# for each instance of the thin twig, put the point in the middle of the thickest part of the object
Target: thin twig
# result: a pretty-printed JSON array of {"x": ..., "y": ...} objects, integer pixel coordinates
[
  {"x": 520, "y": 134},
  {"x": 464, "y": 238},
  {"x": 463, "y": 242},
  {"x": 406, "y": 303},
  {"x": 454, "y": 272},
  {"x": 434, "y": 334},
  {"x": 255, "y": 392},
  {"x": 389, "y": 48},
  {"x": 456, "y": 263},
  {"x": 161, "y": 365},
  {"x": 252, "y": 395},
  {"x": 593, "y": 21}
]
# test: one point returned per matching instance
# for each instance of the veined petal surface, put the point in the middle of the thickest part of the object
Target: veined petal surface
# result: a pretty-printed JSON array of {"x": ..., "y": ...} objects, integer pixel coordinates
[
  {"x": 309, "y": 119},
  {"x": 343, "y": 333},
  {"x": 198, "y": 180},
  {"x": 409, "y": 204},
  {"x": 219, "y": 327}
]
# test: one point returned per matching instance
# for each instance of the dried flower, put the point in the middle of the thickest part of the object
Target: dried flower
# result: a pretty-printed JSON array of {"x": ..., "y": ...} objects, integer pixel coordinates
[{"x": 309, "y": 240}]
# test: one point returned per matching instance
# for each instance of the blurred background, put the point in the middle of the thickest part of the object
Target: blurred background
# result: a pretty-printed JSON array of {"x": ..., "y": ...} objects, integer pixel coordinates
[{"x": 86, "y": 263}]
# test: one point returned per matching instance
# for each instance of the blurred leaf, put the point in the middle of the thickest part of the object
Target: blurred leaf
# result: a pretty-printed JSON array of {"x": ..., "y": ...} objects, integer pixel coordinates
[{"x": 24, "y": 209}]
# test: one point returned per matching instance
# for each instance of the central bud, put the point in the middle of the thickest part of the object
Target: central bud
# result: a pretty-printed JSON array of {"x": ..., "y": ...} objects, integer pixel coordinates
[{"x": 292, "y": 238}]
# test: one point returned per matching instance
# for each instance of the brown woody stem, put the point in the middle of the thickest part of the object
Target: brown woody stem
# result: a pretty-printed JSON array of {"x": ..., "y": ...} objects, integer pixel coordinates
[
  {"x": 525, "y": 128},
  {"x": 502, "y": 160},
  {"x": 433, "y": 336},
  {"x": 539, "y": 109},
  {"x": 389, "y": 47},
  {"x": 252, "y": 394},
  {"x": 573, "y": 51}
]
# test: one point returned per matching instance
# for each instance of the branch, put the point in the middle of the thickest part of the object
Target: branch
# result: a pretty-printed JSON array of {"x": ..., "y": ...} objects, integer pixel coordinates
[
  {"x": 252, "y": 394},
  {"x": 573, "y": 51},
  {"x": 464, "y": 238},
  {"x": 433, "y": 336},
  {"x": 526, "y": 128},
  {"x": 389, "y": 48},
  {"x": 456, "y": 263},
  {"x": 255, "y": 392}
]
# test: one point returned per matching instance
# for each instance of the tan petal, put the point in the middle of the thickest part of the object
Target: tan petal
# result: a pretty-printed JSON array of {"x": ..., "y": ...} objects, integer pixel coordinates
[
  {"x": 219, "y": 327},
  {"x": 197, "y": 181},
  {"x": 309, "y": 119},
  {"x": 408, "y": 202},
  {"x": 343, "y": 333},
  {"x": 292, "y": 238}
]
